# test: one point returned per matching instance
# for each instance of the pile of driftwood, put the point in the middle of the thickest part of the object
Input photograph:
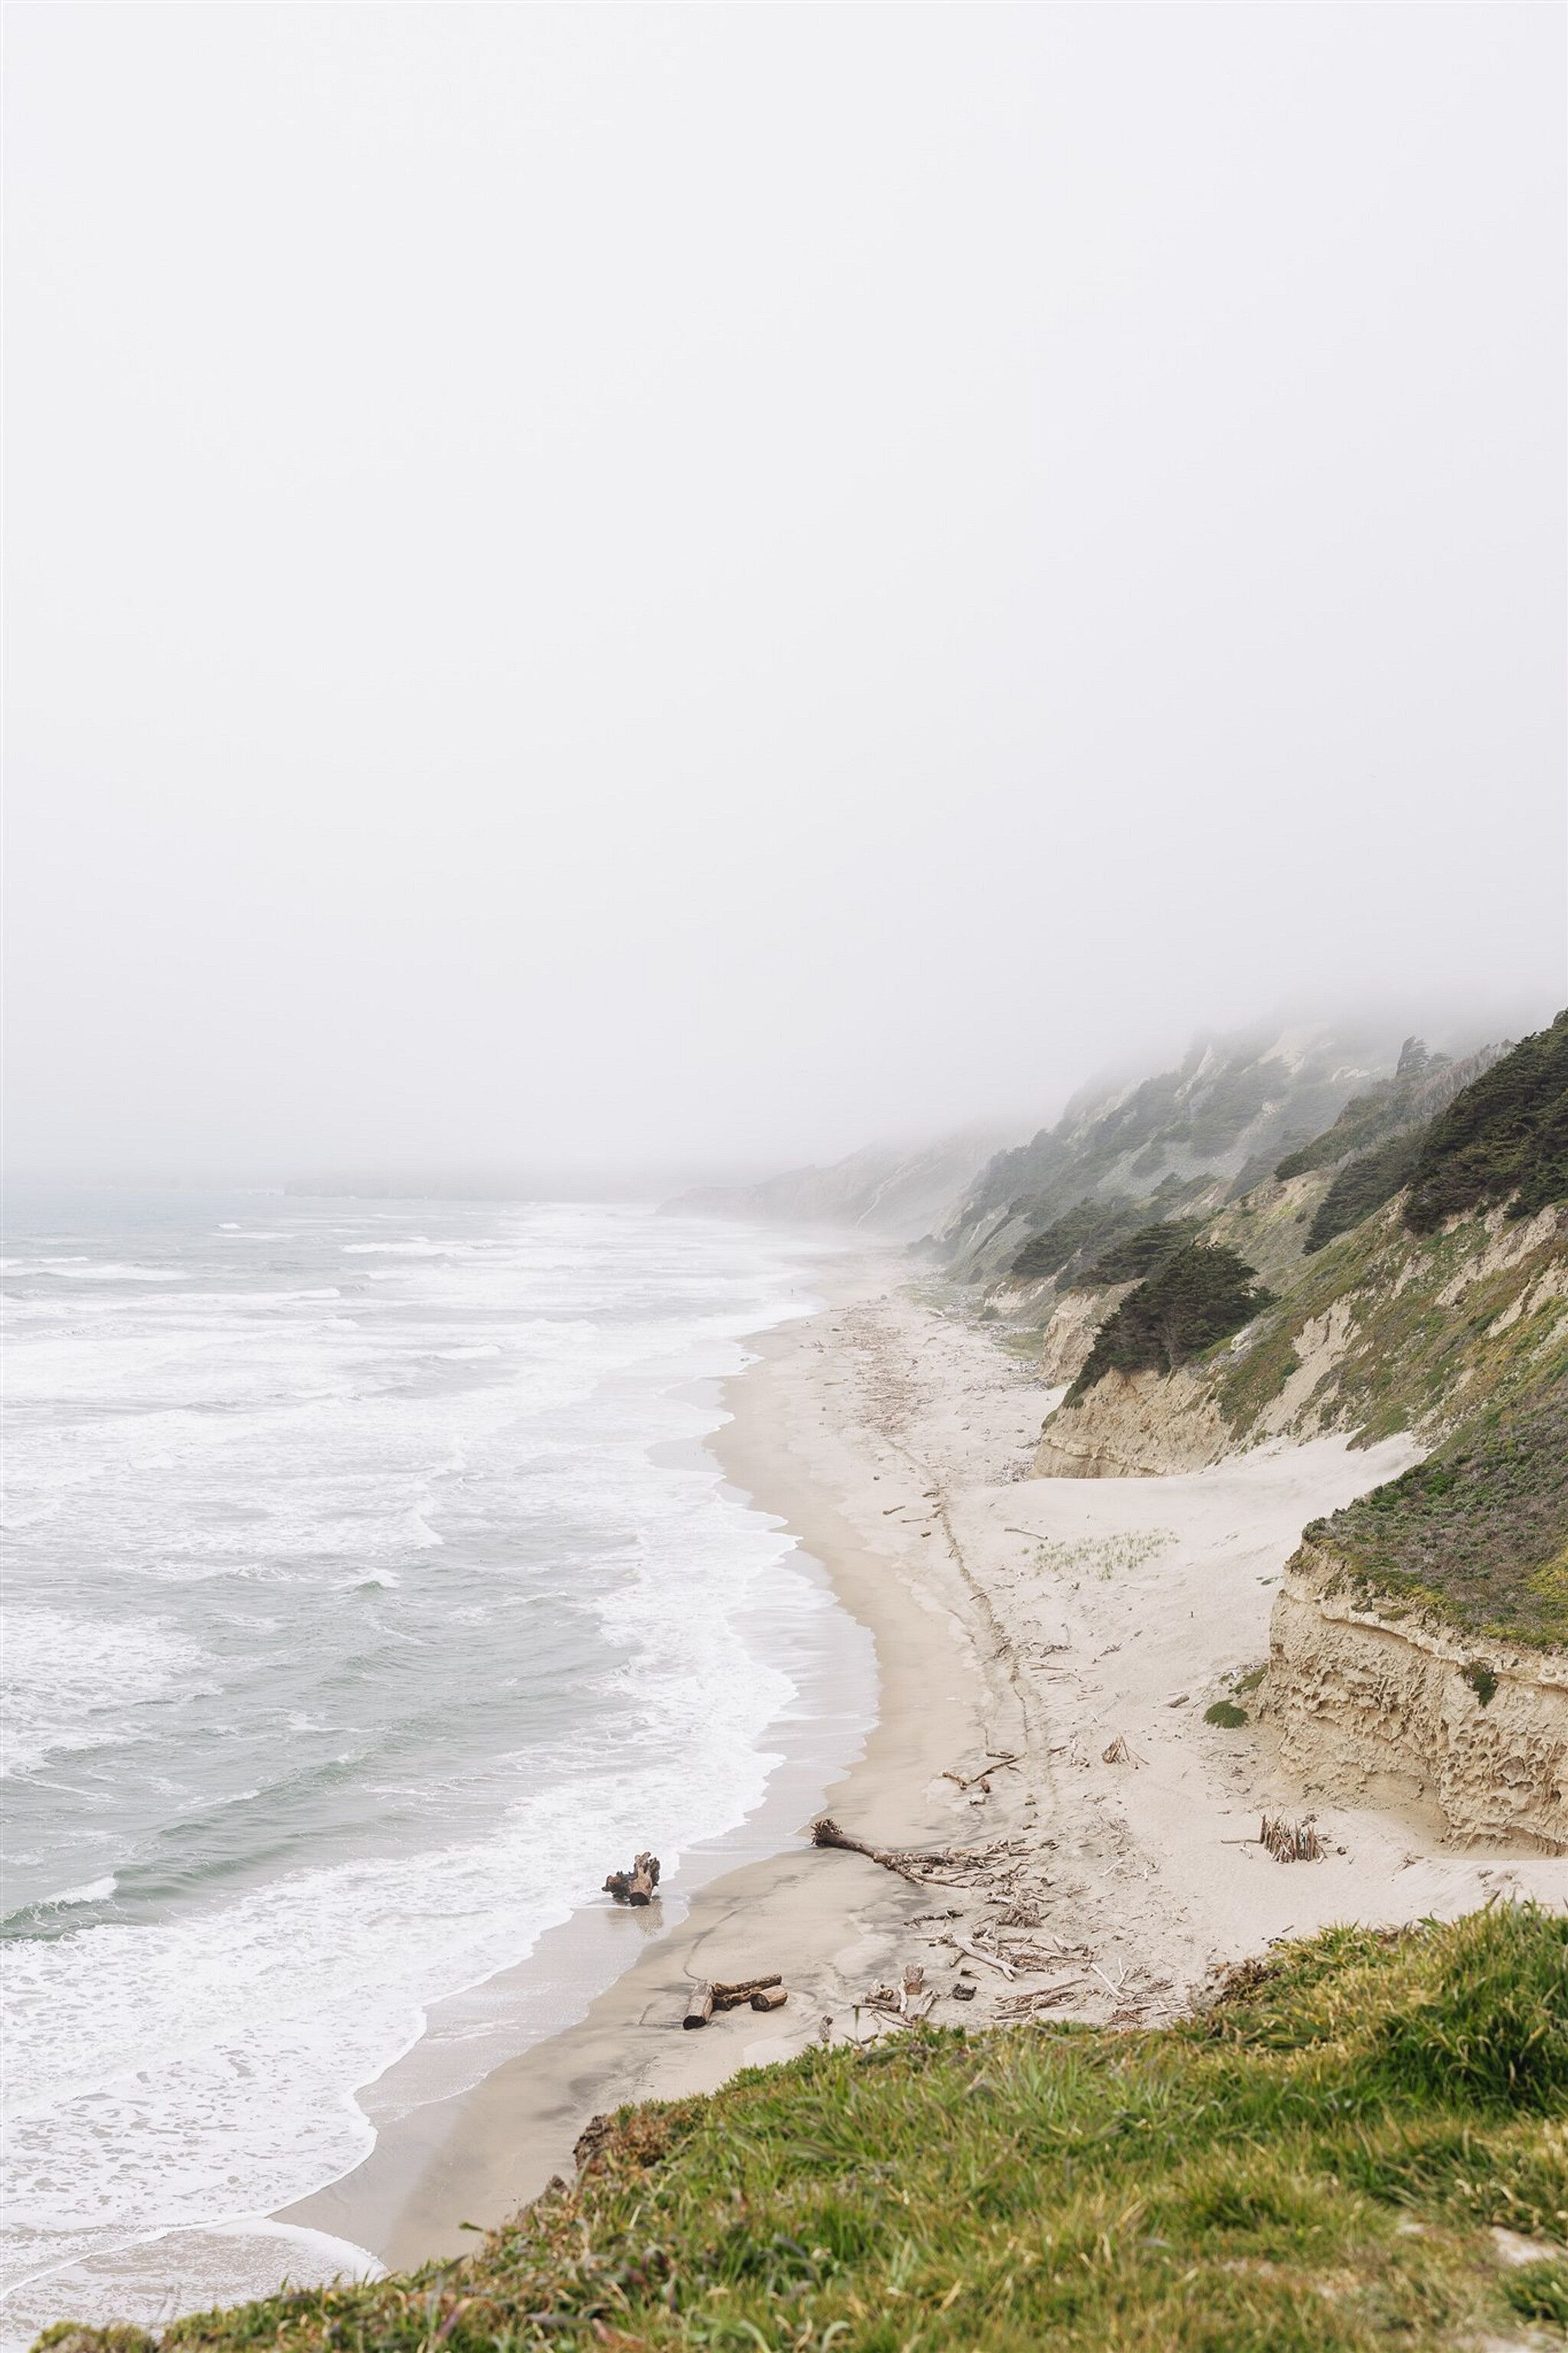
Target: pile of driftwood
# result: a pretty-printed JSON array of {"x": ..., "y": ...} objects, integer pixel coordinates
[
  {"x": 905, "y": 1999},
  {"x": 636, "y": 1885},
  {"x": 1289, "y": 1841},
  {"x": 707, "y": 1996}
]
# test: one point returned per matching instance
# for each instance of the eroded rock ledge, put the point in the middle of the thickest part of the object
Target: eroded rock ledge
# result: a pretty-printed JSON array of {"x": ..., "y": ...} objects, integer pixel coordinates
[
  {"x": 1372, "y": 1701},
  {"x": 1135, "y": 1426}
]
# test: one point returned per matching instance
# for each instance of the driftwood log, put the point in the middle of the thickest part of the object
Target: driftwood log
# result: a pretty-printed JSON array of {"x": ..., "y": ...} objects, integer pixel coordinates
[
  {"x": 762, "y": 1993},
  {"x": 636, "y": 1885},
  {"x": 730, "y": 1996},
  {"x": 826, "y": 1832}
]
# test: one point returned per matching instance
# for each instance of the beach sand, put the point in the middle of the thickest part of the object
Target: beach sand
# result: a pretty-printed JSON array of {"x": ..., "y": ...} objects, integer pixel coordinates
[{"x": 1036, "y": 1620}]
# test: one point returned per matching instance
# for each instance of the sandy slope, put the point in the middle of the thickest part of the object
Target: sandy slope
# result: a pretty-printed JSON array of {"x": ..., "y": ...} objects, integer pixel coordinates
[{"x": 1038, "y": 1620}]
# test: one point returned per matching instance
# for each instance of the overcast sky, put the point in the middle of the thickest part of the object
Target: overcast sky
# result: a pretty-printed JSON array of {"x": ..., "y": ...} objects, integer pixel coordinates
[{"x": 697, "y": 584}]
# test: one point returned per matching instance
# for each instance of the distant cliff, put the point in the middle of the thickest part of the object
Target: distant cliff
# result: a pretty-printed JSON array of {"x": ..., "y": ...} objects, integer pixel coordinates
[
  {"x": 898, "y": 1191},
  {"x": 1352, "y": 1290},
  {"x": 1181, "y": 1141}
]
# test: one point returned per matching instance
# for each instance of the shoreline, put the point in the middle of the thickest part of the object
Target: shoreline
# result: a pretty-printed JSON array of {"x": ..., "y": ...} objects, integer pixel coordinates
[
  {"x": 474, "y": 2159},
  {"x": 894, "y": 1443}
]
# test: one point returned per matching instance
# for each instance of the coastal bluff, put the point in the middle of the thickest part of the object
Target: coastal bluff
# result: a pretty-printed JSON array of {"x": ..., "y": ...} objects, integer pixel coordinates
[{"x": 1375, "y": 1701}]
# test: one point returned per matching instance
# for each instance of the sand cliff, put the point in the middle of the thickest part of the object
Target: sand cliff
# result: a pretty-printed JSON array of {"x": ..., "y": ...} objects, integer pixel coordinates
[{"x": 1374, "y": 1703}]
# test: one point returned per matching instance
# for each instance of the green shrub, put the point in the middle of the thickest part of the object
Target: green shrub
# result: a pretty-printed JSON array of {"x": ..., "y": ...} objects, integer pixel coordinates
[
  {"x": 1087, "y": 1227},
  {"x": 1505, "y": 1137},
  {"x": 1364, "y": 1185},
  {"x": 1225, "y": 1713},
  {"x": 1143, "y": 1252},
  {"x": 1201, "y": 1295},
  {"x": 1479, "y": 1529}
]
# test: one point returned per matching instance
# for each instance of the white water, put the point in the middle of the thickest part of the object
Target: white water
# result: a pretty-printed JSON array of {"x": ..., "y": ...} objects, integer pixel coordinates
[{"x": 361, "y": 1606}]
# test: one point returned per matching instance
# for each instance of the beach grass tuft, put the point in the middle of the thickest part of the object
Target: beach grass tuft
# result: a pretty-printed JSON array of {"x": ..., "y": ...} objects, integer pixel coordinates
[{"x": 1313, "y": 2161}]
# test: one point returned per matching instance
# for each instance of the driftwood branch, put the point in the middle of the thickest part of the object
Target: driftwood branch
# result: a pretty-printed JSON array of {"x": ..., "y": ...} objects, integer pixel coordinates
[
  {"x": 973, "y": 1953},
  {"x": 826, "y": 1832},
  {"x": 1289, "y": 1841}
]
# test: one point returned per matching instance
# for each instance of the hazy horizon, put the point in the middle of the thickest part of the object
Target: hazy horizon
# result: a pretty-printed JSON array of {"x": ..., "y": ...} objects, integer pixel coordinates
[{"x": 686, "y": 590}]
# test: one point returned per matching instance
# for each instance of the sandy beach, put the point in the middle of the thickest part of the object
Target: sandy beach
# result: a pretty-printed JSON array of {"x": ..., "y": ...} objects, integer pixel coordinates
[{"x": 1023, "y": 1627}]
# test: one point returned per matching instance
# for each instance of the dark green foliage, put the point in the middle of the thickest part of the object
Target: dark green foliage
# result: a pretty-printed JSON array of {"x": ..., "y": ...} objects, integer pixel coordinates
[
  {"x": 1245, "y": 2182},
  {"x": 1421, "y": 1086},
  {"x": 1480, "y": 1528},
  {"x": 1226, "y": 1714},
  {"x": 1364, "y": 1120},
  {"x": 1085, "y": 1226},
  {"x": 1482, "y": 1681},
  {"x": 1201, "y": 1294},
  {"x": 1505, "y": 1137},
  {"x": 1142, "y": 1252},
  {"x": 1225, "y": 1089},
  {"x": 1364, "y": 1185}
]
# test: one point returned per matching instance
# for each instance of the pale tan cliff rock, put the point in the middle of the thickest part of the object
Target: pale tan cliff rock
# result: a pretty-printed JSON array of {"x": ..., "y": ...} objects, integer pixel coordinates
[
  {"x": 1069, "y": 1335},
  {"x": 1374, "y": 1703},
  {"x": 1137, "y": 1426}
]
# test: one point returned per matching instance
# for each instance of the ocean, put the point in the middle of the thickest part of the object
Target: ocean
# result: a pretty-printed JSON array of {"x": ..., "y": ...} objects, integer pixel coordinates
[{"x": 369, "y": 1595}]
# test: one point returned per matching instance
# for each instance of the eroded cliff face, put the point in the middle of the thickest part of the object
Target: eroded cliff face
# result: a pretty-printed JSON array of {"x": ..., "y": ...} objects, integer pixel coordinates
[
  {"x": 1140, "y": 1426},
  {"x": 1372, "y": 1703},
  {"x": 1069, "y": 1335}
]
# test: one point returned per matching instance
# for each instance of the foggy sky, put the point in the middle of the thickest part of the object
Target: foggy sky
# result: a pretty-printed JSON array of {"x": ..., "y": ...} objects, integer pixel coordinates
[{"x": 705, "y": 584}]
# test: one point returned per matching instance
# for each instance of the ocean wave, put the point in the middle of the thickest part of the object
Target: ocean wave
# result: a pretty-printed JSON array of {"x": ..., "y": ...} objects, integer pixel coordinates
[
  {"x": 357, "y": 1810},
  {"x": 70, "y": 1683}
]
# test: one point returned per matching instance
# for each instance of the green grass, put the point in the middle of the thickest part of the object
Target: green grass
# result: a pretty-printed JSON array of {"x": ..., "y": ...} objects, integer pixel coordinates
[
  {"x": 1478, "y": 1532},
  {"x": 1309, "y": 2167}
]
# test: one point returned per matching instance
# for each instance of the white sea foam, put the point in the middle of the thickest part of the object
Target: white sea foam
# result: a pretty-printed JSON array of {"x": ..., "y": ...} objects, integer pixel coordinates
[
  {"x": 69, "y": 1683},
  {"x": 370, "y": 1625}
]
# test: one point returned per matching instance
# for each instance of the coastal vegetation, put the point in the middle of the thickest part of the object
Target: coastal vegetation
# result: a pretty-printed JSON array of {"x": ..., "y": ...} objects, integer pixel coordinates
[
  {"x": 1143, "y": 1252},
  {"x": 1358, "y": 2141},
  {"x": 1479, "y": 1531},
  {"x": 1394, "y": 1102},
  {"x": 1086, "y": 1225},
  {"x": 1201, "y": 1294},
  {"x": 1362, "y": 1186},
  {"x": 1425, "y": 1277},
  {"x": 1503, "y": 1139},
  {"x": 1186, "y": 1138}
]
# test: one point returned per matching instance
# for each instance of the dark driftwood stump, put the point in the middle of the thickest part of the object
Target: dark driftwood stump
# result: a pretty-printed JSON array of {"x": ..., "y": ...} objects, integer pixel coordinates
[
  {"x": 699, "y": 2007},
  {"x": 636, "y": 1885}
]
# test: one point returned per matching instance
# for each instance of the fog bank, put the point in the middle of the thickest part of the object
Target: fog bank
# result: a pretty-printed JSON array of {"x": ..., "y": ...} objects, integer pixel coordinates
[{"x": 687, "y": 588}]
